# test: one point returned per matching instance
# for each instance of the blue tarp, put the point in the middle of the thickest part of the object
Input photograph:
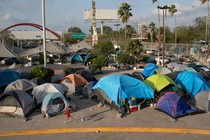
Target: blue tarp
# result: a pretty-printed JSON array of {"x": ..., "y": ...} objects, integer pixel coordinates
[
  {"x": 149, "y": 70},
  {"x": 192, "y": 82},
  {"x": 175, "y": 105},
  {"x": 8, "y": 76},
  {"x": 119, "y": 86},
  {"x": 76, "y": 58}
]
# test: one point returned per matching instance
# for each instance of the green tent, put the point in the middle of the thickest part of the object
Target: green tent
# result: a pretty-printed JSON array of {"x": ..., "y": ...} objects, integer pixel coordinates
[
  {"x": 163, "y": 70},
  {"x": 158, "y": 81}
]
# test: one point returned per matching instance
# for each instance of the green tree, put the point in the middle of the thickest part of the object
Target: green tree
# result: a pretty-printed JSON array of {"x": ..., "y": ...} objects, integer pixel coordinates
[
  {"x": 125, "y": 13},
  {"x": 103, "y": 48},
  {"x": 74, "y": 30},
  {"x": 98, "y": 63},
  {"x": 135, "y": 47}
]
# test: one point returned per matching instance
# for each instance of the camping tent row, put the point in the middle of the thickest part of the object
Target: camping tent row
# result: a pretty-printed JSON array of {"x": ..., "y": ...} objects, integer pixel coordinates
[
  {"x": 19, "y": 103},
  {"x": 150, "y": 84},
  {"x": 36, "y": 94}
]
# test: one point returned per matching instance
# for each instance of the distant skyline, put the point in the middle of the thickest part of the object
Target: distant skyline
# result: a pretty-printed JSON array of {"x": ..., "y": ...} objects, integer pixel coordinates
[{"x": 63, "y": 14}]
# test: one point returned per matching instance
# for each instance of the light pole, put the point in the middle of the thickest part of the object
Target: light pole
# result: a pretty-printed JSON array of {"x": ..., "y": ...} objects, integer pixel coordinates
[
  {"x": 44, "y": 33},
  {"x": 117, "y": 32},
  {"x": 165, "y": 7}
]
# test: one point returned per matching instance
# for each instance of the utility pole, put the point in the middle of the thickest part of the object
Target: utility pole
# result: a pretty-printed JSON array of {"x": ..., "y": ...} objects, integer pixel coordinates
[
  {"x": 94, "y": 35},
  {"x": 165, "y": 7}
]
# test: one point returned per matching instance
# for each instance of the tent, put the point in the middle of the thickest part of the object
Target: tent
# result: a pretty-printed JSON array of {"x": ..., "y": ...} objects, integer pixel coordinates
[
  {"x": 21, "y": 84},
  {"x": 39, "y": 92},
  {"x": 192, "y": 82},
  {"x": 73, "y": 83},
  {"x": 86, "y": 75},
  {"x": 8, "y": 76},
  {"x": 149, "y": 70},
  {"x": 38, "y": 81},
  {"x": 76, "y": 58},
  {"x": 176, "y": 66},
  {"x": 54, "y": 103},
  {"x": 87, "y": 90},
  {"x": 174, "y": 105},
  {"x": 173, "y": 75},
  {"x": 158, "y": 81},
  {"x": 202, "y": 99},
  {"x": 16, "y": 103},
  {"x": 138, "y": 75},
  {"x": 163, "y": 70},
  {"x": 205, "y": 75},
  {"x": 189, "y": 69},
  {"x": 119, "y": 86}
]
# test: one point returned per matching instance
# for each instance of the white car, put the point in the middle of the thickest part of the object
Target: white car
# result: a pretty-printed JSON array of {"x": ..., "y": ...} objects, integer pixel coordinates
[{"x": 160, "y": 59}]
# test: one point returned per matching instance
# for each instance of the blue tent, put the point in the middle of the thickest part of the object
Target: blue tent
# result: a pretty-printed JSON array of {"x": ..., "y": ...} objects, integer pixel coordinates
[
  {"x": 192, "y": 82},
  {"x": 119, "y": 86},
  {"x": 149, "y": 70},
  {"x": 175, "y": 105},
  {"x": 8, "y": 76},
  {"x": 54, "y": 103},
  {"x": 76, "y": 58}
]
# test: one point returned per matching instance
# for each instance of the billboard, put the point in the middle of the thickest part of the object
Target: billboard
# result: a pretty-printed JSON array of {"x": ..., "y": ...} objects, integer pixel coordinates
[{"x": 105, "y": 15}]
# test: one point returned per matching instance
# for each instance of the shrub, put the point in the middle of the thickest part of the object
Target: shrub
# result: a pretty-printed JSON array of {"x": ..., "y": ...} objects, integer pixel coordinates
[{"x": 41, "y": 72}]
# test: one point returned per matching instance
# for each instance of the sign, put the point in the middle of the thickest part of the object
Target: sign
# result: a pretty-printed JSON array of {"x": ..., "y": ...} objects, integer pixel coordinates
[{"x": 78, "y": 35}]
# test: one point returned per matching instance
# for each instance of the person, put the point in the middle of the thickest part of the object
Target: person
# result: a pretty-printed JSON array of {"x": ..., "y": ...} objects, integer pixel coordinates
[
  {"x": 208, "y": 60},
  {"x": 68, "y": 115}
]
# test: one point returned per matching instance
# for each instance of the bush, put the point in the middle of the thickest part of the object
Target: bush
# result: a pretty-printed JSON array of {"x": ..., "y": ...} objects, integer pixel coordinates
[
  {"x": 41, "y": 72},
  {"x": 98, "y": 63},
  {"x": 69, "y": 70}
]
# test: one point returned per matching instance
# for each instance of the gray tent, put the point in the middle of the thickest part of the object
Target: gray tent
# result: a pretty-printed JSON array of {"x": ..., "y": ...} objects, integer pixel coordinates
[
  {"x": 202, "y": 99},
  {"x": 16, "y": 103},
  {"x": 39, "y": 92},
  {"x": 21, "y": 84},
  {"x": 54, "y": 104}
]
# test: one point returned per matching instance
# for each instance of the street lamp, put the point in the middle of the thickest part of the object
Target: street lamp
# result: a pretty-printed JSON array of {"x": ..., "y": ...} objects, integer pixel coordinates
[
  {"x": 44, "y": 33},
  {"x": 165, "y": 7}
]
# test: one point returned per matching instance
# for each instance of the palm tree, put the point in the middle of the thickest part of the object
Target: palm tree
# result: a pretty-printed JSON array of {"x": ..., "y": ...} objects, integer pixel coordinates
[
  {"x": 172, "y": 10},
  {"x": 125, "y": 14},
  {"x": 152, "y": 29},
  {"x": 204, "y": 1}
]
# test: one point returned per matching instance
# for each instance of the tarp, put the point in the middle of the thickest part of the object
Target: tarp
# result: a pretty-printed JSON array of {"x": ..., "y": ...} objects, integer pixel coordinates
[
  {"x": 8, "y": 76},
  {"x": 174, "y": 105},
  {"x": 205, "y": 75},
  {"x": 39, "y": 92},
  {"x": 158, "y": 82},
  {"x": 119, "y": 86},
  {"x": 21, "y": 84},
  {"x": 192, "y": 82},
  {"x": 86, "y": 75},
  {"x": 16, "y": 103},
  {"x": 163, "y": 70},
  {"x": 54, "y": 104},
  {"x": 149, "y": 70}
]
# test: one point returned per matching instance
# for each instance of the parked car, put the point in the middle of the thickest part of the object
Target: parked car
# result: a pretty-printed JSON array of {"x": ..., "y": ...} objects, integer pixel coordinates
[
  {"x": 187, "y": 58},
  {"x": 10, "y": 61}
]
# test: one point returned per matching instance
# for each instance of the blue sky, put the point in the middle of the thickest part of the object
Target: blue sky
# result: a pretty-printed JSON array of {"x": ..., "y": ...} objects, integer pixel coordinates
[{"x": 18, "y": 11}]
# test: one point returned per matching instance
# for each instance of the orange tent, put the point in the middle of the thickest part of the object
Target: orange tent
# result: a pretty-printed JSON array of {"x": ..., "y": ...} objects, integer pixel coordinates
[{"x": 75, "y": 79}]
